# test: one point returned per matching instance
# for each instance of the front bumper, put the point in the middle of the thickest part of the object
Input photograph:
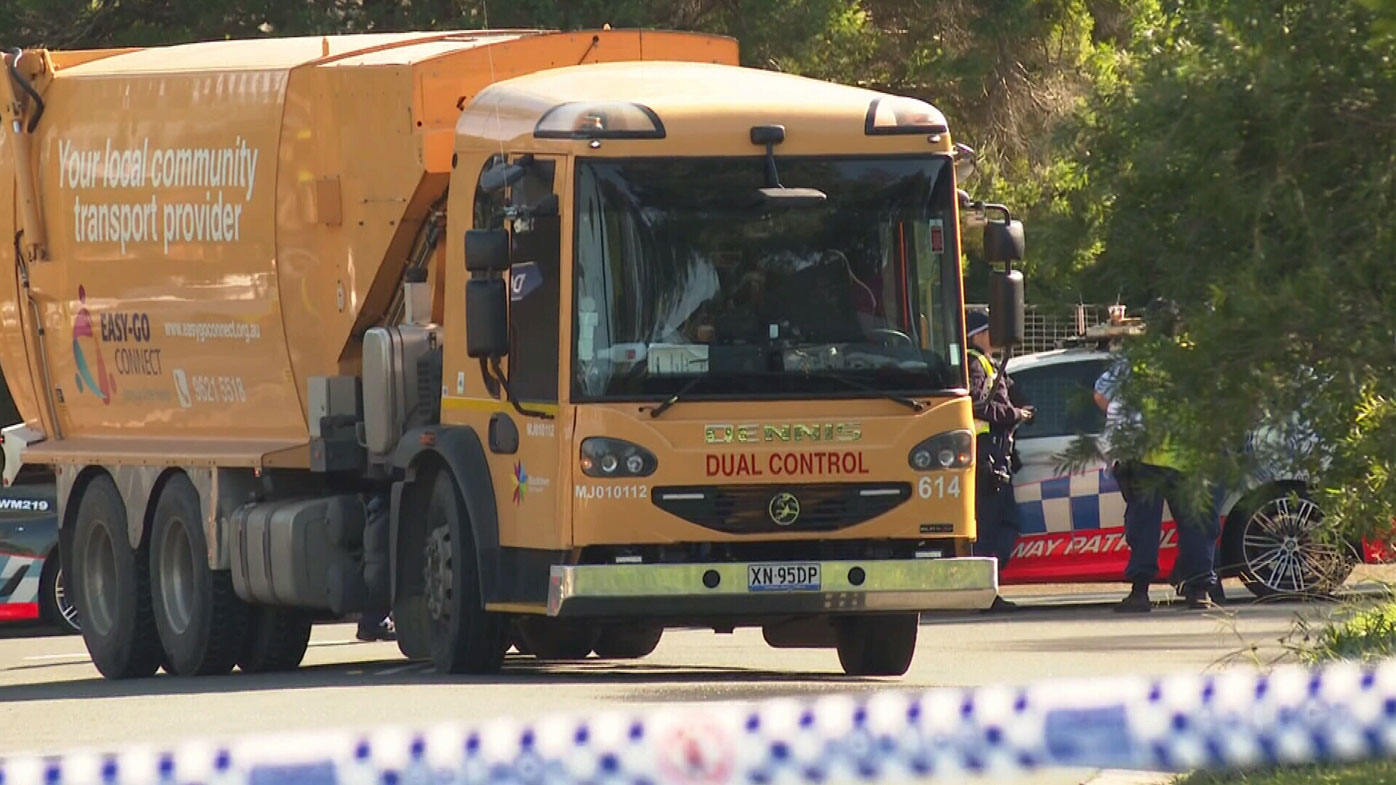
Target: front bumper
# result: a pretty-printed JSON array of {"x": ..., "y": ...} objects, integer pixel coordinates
[{"x": 679, "y": 590}]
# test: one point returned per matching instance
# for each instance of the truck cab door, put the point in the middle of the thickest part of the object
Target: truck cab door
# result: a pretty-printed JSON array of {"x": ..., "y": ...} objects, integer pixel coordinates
[{"x": 529, "y": 500}]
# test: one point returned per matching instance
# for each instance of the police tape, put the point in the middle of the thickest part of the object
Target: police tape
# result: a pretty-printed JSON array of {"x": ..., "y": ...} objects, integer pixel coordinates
[{"x": 1234, "y": 719}]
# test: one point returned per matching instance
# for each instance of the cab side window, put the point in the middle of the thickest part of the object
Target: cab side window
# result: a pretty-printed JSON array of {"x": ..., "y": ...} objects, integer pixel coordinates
[
  {"x": 489, "y": 207},
  {"x": 534, "y": 287},
  {"x": 488, "y": 213}
]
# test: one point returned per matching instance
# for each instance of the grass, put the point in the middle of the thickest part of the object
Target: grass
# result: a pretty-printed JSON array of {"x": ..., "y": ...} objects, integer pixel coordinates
[
  {"x": 1370, "y": 773},
  {"x": 1368, "y": 634}
]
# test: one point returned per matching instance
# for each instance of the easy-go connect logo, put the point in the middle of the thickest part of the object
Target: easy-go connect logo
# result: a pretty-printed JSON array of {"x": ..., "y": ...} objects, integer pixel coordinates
[{"x": 103, "y": 384}]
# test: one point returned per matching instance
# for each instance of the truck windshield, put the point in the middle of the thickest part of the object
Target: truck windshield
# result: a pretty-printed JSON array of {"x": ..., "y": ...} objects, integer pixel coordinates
[{"x": 685, "y": 281}]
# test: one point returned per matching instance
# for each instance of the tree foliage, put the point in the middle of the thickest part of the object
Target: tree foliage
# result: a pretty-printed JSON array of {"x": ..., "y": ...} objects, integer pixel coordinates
[{"x": 1247, "y": 170}]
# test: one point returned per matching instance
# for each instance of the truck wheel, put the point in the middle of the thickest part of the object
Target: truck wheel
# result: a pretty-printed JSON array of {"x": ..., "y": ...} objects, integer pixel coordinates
[
  {"x": 111, "y": 582},
  {"x": 877, "y": 645},
  {"x": 554, "y": 639},
  {"x": 464, "y": 637},
  {"x": 202, "y": 621},
  {"x": 276, "y": 640},
  {"x": 627, "y": 643},
  {"x": 55, "y": 603},
  {"x": 413, "y": 626}
]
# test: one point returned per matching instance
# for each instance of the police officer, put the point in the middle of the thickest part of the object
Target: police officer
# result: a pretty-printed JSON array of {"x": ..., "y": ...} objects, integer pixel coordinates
[
  {"x": 995, "y": 420},
  {"x": 376, "y": 623},
  {"x": 1148, "y": 482}
]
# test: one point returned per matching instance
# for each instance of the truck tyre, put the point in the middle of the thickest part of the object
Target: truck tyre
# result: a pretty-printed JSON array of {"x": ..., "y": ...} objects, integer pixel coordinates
[
  {"x": 464, "y": 637},
  {"x": 202, "y": 621},
  {"x": 55, "y": 601},
  {"x": 555, "y": 639},
  {"x": 877, "y": 645},
  {"x": 413, "y": 626},
  {"x": 627, "y": 643},
  {"x": 111, "y": 582},
  {"x": 276, "y": 640}
]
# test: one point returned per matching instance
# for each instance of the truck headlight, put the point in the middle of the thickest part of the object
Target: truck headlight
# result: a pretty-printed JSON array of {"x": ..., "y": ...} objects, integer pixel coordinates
[
  {"x": 604, "y": 457},
  {"x": 949, "y": 450}
]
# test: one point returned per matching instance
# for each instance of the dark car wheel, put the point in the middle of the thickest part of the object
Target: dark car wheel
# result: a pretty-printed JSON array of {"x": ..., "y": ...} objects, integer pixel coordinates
[
  {"x": 55, "y": 604},
  {"x": 1282, "y": 552}
]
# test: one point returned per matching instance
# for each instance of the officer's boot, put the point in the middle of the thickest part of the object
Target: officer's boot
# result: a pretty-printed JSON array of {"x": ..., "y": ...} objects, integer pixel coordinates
[
  {"x": 1137, "y": 601},
  {"x": 1217, "y": 594},
  {"x": 1201, "y": 597}
]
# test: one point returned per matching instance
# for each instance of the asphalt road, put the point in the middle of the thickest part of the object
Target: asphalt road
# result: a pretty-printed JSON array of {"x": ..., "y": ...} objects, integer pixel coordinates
[{"x": 51, "y": 698}]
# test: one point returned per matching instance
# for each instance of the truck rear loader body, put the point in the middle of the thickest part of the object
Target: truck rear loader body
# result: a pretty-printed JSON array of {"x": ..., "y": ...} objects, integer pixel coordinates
[{"x": 543, "y": 339}]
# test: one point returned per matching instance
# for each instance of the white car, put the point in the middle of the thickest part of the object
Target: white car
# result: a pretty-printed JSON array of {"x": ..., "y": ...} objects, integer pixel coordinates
[{"x": 1072, "y": 525}]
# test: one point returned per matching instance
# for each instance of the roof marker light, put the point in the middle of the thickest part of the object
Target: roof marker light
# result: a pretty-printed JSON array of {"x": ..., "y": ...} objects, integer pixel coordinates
[
  {"x": 894, "y": 114},
  {"x": 599, "y": 120}
]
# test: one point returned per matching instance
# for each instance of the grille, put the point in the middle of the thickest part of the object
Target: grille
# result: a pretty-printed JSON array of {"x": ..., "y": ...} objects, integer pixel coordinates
[{"x": 748, "y": 509}]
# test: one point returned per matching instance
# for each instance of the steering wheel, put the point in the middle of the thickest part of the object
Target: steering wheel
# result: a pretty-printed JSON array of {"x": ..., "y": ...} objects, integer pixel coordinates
[{"x": 887, "y": 331}]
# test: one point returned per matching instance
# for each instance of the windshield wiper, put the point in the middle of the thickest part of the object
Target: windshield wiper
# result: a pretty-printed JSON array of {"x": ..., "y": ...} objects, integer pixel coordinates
[
  {"x": 914, "y": 405},
  {"x": 664, "y": 405}
]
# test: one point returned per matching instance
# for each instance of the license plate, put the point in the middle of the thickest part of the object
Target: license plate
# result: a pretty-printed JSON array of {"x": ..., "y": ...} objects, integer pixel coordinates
[{"x": 782, "y": 577}]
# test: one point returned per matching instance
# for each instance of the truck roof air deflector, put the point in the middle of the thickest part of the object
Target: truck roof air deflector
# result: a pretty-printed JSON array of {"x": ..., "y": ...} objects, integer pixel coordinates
[
  {"x": 899, "y": 115},
  {"x": 599, "y": 120}
]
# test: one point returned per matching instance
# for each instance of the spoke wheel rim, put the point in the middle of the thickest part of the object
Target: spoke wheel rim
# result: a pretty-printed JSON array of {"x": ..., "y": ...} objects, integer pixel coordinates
[
  {"x": 1281, "y": 552},
  {"x": 66, "y": 609}
]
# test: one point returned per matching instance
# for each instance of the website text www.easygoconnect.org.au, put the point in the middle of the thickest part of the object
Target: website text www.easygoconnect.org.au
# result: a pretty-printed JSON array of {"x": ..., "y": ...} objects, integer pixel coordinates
[{"x": 203, "y": 331}]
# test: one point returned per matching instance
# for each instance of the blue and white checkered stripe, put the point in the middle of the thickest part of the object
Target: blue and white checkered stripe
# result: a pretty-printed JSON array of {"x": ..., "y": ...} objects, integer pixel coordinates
[
  {"x": 1079, "y": 502},
  {"x": 1236, "y": 719}
]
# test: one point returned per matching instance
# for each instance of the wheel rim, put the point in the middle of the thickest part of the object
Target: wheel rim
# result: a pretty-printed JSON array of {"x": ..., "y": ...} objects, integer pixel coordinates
[
  {"x": 99, "y": 587},
  {"x": 66, "y": 609},
  {"x": 438, "y": 575},
  {"x": 177, "y": 577},
  {"x": 1282, "y": 553}
]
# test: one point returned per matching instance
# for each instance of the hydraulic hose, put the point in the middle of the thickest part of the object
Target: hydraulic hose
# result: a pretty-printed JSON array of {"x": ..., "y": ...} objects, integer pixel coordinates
[{"x": 24, "y": 85}]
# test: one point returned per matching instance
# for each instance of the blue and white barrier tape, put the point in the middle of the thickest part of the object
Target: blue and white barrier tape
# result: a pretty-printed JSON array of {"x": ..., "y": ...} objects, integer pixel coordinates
[{"x": 1235, "y": 719}]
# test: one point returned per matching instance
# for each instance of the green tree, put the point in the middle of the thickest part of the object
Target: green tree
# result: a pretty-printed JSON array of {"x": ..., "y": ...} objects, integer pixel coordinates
[{"x": 1247, "y": 170}]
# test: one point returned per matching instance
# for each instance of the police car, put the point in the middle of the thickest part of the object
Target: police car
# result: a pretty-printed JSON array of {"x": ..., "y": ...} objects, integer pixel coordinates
[
  {"x": 1072, "y": 524},
  {"x": 31, "y": 579}
]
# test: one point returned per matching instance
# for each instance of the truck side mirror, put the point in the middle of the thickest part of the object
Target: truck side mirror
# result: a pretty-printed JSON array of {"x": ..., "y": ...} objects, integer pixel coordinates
[
  {"x": 1003, "y": 241},
  {"x": 1006, "y": 308},
  {"x": 486, "y": 317},
  {"x": 501, "y": 176},
  {"x": 486, "y": 250}
]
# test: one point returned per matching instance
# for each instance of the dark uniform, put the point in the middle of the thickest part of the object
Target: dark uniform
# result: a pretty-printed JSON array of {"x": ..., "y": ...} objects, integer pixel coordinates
[
  {"x": 376, "y": 624},
  {"x": 995, "y": 419},
  {"x": 1146, "y": 484}
]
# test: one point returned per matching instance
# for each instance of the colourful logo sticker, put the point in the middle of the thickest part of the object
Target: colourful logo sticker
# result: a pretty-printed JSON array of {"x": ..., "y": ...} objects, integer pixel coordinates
[
  {"x": 520, "y": 482},
  {"x": 104, "y": 384}
]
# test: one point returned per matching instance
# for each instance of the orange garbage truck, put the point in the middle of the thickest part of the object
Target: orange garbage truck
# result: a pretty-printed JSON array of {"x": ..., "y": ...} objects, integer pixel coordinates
[{"x": 542, "y": 339}]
